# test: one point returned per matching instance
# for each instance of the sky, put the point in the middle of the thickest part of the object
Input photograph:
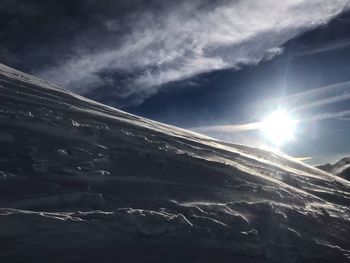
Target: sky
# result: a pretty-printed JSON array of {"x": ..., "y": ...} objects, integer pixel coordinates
[{"x": 215, "y": 67}]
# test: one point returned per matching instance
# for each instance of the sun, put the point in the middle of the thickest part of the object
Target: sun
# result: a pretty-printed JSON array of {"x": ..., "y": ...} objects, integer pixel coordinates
[{"x": 279, "y": 127}]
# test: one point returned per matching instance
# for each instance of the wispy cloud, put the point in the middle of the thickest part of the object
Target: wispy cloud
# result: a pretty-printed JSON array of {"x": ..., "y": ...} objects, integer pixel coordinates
[
  {"x": 190, "y": 39},
  {"x": 228, "y": 128},
  {"x": 303, "y": 159},
  {"x": 329, "y": 115},
  {"x": 312, "y": 98},
  {"x": 326, "y": 101},
  {"x": 325, "y": 48},
  {"x": 232, "y": 128}
]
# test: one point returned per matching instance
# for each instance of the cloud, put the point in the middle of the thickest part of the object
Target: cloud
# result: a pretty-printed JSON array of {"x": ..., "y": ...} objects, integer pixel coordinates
[
  {"x": 312, "y": 98},
  {"x": 228, "y": 128},
  {"x": 303, "y": 159},
  {"x": 295, "y": 104},
  {"x": 163, "y": 45},
  {"x": 237, "y": 128},
  {"x": 329, "y": 115},
  {"x": 323, "y": 102},
  {"x": 325, "y": 48}
]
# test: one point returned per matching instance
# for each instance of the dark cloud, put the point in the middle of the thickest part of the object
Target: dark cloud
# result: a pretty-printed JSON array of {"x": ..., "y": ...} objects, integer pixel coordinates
[
  {"x": 132, "y": 49},
  {"x": 37, "y": 34}
]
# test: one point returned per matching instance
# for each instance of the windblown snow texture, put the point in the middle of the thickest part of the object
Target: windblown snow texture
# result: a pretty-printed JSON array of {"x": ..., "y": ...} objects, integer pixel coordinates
[{"x": 83, "y": 182}]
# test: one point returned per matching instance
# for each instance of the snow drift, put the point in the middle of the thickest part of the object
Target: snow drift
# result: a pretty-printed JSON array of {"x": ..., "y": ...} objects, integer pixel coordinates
[{"x": 84, "y": 182}]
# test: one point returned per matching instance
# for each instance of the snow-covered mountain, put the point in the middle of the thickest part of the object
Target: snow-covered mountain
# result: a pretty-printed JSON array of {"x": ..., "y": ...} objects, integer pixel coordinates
[
  {"x": 340, "y": 168},
  {"x": 84, "y": 182}
]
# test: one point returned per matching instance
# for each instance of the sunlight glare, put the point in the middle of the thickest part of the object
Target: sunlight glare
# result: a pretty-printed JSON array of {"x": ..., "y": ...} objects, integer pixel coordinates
[{"x": 279, "y": 127}]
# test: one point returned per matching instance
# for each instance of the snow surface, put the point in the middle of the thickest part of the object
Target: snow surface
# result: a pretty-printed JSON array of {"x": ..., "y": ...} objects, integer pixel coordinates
[{"x": 84, "y": 182}]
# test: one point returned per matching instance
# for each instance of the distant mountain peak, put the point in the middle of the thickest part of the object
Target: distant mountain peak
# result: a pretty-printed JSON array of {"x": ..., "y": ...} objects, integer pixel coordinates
[{"x": 340, "y": 168}]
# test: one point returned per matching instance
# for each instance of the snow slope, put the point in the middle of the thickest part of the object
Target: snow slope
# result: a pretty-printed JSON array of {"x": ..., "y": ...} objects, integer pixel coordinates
[{"x": 84, "y": 182}]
